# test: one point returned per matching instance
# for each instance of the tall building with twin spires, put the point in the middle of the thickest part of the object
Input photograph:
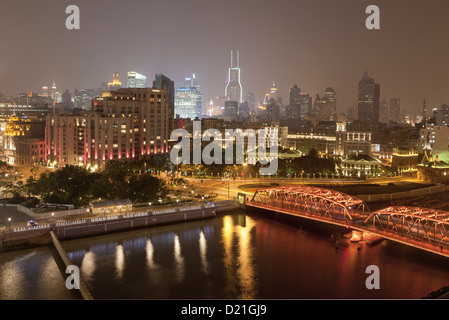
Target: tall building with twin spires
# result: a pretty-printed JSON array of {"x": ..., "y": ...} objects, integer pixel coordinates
[{"x": 233, "y": 89}]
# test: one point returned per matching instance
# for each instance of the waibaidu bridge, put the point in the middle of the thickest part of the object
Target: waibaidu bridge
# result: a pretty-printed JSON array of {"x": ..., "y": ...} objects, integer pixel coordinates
[{"x": 423, "y": 228}]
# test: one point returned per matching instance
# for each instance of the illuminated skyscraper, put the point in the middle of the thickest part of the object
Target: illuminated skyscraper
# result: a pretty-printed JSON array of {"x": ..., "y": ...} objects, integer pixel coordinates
[
  {"x": 136, "y": 80},
  {"x": 368, "y": 99},
  {"x": 115, "y": 84},
  {"x": 188, "y": 99},
  {"x": 233, "y": 89},
  {"x": 325, "y": 106}
]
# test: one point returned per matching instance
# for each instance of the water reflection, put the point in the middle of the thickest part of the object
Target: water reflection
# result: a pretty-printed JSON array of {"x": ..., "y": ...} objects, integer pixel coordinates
[
  {"x": 155, "y": 269},
  {"x": 179, "y": 260},
  {"x": 241, "y": 286},
  {"x": 246, "y": 269},
  {"x": 88, "y": 265},
  {"x": 232, "y": 256},
  {"x": 119, "y": 261},
  {"x": 203, "y": 252},
  {"x": 11, "y": 281}
]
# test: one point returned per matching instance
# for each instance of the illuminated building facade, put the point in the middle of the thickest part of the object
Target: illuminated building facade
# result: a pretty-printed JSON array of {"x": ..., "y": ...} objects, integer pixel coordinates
[
  {"x": 136, "y": 80},
  {"x": 325, "y": 107},
  {"x": 435, "y": 139},
  {"x": 29, "y": 151},
  {"x": 20, "y": 128},
  {"x": 123, "y": 124},
  {"x": 188, "y": 99},
  {"x": 83, "y": 98},
  {"x": 115, "y": 84},
  {"x": 360, "y": 165}
]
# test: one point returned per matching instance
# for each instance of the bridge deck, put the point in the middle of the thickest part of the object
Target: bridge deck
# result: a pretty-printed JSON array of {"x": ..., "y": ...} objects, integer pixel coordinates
[{"x": 358, "y": 223}]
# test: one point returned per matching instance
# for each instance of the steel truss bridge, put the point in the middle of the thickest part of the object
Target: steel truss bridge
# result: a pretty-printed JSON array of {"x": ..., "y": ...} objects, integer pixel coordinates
[{"x": 423, "y": 228}]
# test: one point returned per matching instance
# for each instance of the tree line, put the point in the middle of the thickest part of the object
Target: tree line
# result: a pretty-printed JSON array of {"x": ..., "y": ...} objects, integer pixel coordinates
[{"x": 77, "y": 185}]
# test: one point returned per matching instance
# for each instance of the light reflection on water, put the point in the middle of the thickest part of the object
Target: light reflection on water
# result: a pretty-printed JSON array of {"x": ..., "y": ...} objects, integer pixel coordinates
[
  {"x": 179, "y": 260},
  {"x": 234, "y": 256}
]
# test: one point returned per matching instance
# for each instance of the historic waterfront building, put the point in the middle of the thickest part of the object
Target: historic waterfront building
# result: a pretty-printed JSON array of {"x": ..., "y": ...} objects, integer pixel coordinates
[{"x": 123, "y": 124}]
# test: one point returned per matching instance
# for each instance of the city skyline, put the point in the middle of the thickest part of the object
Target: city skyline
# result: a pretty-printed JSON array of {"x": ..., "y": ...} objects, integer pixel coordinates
[{"x": 406, "y": 56}]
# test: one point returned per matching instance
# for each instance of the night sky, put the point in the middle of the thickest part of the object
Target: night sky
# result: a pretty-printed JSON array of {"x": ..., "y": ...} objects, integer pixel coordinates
[{"x": 317, "y": 43}]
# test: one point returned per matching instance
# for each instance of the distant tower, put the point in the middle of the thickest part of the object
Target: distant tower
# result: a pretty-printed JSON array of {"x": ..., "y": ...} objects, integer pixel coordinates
[
  {"x": 394, "y": 109},
  {"x": 53, "y": 90},
  {"x": 424, "y": 112},
  {"x": 368, "y": 99},
  {"x": 115, "y": 84},
  {"x": 233, "y": 89},
  {"x": 295, "y": 102}
]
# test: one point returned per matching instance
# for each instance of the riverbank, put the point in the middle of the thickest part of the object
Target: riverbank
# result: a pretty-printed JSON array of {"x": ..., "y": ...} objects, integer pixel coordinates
[{"x": 14, "y": 239}]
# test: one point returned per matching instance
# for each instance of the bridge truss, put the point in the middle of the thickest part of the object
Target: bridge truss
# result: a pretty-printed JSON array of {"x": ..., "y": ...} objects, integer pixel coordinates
[
  {"x": 416, "y": 224},
  {"x": 315, "y": 201},
  {"x": 424, "y": 228}
]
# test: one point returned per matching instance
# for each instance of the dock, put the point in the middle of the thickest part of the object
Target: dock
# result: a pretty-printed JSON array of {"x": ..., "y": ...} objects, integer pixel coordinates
[{"x": 84, "y": 291}]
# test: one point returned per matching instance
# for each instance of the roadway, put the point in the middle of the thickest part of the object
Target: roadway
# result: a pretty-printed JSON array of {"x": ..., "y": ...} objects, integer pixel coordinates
[{"x": 229, "y": 188}]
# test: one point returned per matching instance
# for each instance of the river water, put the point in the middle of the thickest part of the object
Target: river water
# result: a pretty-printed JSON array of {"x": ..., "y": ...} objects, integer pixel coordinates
[{"x": 231, "y": 256}]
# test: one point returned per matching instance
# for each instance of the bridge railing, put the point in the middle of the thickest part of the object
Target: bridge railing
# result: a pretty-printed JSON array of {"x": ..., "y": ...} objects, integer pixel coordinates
[{"x": 416, "y": 224}]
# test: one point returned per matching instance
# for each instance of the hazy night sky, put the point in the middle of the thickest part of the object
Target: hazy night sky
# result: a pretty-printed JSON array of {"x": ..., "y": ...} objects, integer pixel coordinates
[{"x": 318, "y": 43}]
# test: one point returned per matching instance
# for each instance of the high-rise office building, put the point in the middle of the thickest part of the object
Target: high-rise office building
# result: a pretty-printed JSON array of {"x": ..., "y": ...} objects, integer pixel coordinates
[
  {"x": 395, "y": 109},
  {"x": 136, "y": 80},
  {"x": 244, "y": 110},
  {"x": 231, "y": 109},
  {"x": 294, "y": 109},
  {"x": 55, "y": 94},
  {"x": 368, "y": 99},
  {"x": 384, "y": 115},
  {"x": 164, "y": 83},
  {"x": 233, "y": 89},
  {"x": 251, "y": 99},
  {"x": 188, "y": 99},
  {"x": 325, "y": 106},
  {"x": 83, "y": 98},
  {"x": 272, "y": 94},
  {"x": 273, "y": 111},
  {"x": 66, "y": 98},
  {"x": 331, "y": 97},
  {"x": 442, "y": 116}
]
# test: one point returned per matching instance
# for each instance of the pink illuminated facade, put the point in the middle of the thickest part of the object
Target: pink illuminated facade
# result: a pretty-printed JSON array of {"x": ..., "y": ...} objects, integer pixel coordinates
[{"x": 123, "y": 124}]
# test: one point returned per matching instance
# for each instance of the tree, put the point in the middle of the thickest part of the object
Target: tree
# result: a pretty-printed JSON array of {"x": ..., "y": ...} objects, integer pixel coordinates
[
  {"x": 70, "y": 184},
  {"x": 145, "y": 187}
]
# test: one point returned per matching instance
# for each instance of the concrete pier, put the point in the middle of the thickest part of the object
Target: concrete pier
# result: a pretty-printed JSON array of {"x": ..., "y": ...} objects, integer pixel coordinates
[{"x": 85, "y": 293}]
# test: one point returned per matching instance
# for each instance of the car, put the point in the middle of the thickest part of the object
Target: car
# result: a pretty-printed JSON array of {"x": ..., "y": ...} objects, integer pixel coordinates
[{"x": 32, "y": 223}]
